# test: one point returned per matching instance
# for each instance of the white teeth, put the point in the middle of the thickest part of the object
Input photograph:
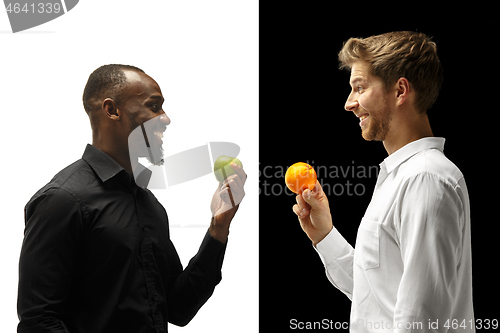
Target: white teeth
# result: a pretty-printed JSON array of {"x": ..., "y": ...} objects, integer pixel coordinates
[
  {"x": 363, "y": 117},
  {"x": 159, "y": 134}
]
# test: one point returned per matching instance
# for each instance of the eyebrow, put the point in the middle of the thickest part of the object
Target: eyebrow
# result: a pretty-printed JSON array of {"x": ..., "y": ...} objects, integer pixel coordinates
[
  {"x": 158, "y": 97},
  {"x": 357, "y": 80}
]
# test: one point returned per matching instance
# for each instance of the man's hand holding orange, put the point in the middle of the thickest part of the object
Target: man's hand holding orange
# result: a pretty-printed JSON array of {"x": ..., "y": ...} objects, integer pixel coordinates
[
  {"x": 313, "y": 211},
  {"x": 312, "y": 206}
]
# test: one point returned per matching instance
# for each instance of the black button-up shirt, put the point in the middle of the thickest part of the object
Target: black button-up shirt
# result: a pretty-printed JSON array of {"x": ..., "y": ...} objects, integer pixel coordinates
[{"x": 97, "y": 257}]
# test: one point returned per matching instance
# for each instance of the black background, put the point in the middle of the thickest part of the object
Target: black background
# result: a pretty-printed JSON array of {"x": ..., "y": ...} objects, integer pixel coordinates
[{"x": 302, "y": 94}]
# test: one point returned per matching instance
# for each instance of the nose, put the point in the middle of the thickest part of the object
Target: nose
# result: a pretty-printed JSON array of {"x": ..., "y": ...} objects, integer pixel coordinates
[
  {"x": 351, "y": 104},
  {"x": 164, "y": 119}
]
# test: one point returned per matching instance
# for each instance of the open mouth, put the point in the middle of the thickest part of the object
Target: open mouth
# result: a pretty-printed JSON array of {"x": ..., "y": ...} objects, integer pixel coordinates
[
  {"x": 153, "y": 137},
  {"x": 159, "y": 135},
  {"x": 362, "y": 119}
]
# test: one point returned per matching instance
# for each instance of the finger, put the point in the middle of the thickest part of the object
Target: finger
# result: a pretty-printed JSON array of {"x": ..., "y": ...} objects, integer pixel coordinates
[
  {"x": 239, "y": 170},
  {"x": 236, "y": 191},
  {"x": 224, "y": 195},
  {"x": 311, "y": 197},
  {"x": 302, "y": 204},
  {"x": 235, "y": 179},
  {"x": 296, "y": 209},
  {"x": 317, "y": 188},
  {"x": 299, "y": 212},
  {"x": 234, "y": 184},
  {"x": 230, "y": 197},
  {"x": 236, "y": 187},
  {"x": 302, "y": 210}
]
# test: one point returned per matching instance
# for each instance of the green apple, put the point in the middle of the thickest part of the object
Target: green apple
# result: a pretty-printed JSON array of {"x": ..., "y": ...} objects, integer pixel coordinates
[{"x": 223, "y": 169}]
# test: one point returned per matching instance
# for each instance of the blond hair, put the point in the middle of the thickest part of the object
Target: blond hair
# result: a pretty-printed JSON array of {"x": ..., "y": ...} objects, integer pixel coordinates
[{"x": 392, "y": 55}]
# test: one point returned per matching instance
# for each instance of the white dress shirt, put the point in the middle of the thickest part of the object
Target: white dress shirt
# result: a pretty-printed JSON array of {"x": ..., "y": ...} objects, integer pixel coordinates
[{"x": 411, "y": 267}]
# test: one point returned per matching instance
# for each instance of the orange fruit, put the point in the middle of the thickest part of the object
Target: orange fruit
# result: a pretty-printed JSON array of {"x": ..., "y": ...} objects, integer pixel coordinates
[{"x": 300, "y": 176}]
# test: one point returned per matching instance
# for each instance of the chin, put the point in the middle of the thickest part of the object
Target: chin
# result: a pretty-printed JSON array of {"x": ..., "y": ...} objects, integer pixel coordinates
[
  {"x": 157, "y": 163},
  {"x": 366, "y": 137},
  {"x": 157, "y": 157},
  {"x": 373, "y": 137},
  {"x": 368, "y": 134},
  {"x": 375, "y": 131}
]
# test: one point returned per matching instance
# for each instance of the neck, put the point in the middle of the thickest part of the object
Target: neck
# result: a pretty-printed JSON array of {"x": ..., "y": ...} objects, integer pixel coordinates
[
  {"x": 403, "y": 132},
  {"x": 120, "y": 155}
]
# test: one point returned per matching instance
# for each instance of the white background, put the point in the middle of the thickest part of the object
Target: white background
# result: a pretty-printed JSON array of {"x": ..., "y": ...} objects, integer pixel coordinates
[{"x": 204, "y": 56}]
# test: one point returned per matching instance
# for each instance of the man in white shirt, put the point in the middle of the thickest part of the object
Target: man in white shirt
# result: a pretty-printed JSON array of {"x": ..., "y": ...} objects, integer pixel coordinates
[{"x": 410, "y": 269}]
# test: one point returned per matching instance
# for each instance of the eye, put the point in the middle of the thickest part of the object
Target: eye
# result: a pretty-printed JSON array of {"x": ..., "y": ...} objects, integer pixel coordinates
[
  {"x": 155, "y": 108},
  {"x": 360, "y": 89}
]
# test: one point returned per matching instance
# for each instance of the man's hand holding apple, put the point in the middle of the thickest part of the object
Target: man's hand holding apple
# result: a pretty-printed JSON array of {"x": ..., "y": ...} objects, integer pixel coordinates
[{"x": 225, "y": 202}]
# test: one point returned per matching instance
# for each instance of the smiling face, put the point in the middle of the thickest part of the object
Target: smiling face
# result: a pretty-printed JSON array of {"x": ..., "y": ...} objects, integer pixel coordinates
[
  {"x": 141, "y": 101},
  {"x": 369, "y": 101}
]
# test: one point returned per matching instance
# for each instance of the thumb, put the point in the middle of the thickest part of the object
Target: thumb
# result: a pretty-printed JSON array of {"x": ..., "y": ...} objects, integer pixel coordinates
[{"x": 312, "y": 197}]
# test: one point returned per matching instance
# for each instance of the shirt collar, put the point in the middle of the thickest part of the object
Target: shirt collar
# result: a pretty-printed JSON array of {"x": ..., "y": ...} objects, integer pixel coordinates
[
  {"x": 412, "y": 148},
  {"x": 104, "y": 166}
]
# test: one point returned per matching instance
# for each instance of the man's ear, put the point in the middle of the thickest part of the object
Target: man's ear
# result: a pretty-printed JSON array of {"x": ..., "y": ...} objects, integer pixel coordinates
[
  {"x": 110, "y": 109},
  {"x": 402, "y": 90}
]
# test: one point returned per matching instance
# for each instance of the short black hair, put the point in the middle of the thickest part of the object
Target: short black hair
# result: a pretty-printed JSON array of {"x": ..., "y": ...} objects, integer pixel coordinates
[{"x": 105, "y": 80}]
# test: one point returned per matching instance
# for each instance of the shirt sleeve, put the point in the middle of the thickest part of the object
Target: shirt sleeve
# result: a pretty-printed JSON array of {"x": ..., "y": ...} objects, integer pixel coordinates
[
  {"x": 337, "y": 256},
  {"x": 190, "y": 288},
  {"x": 51, "y": 237},
  {"x": 430, "y": 236}
]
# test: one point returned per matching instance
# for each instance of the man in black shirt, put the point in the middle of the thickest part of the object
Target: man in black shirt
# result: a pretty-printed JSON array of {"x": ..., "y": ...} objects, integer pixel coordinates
[{"x": 97, "y": 255}]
